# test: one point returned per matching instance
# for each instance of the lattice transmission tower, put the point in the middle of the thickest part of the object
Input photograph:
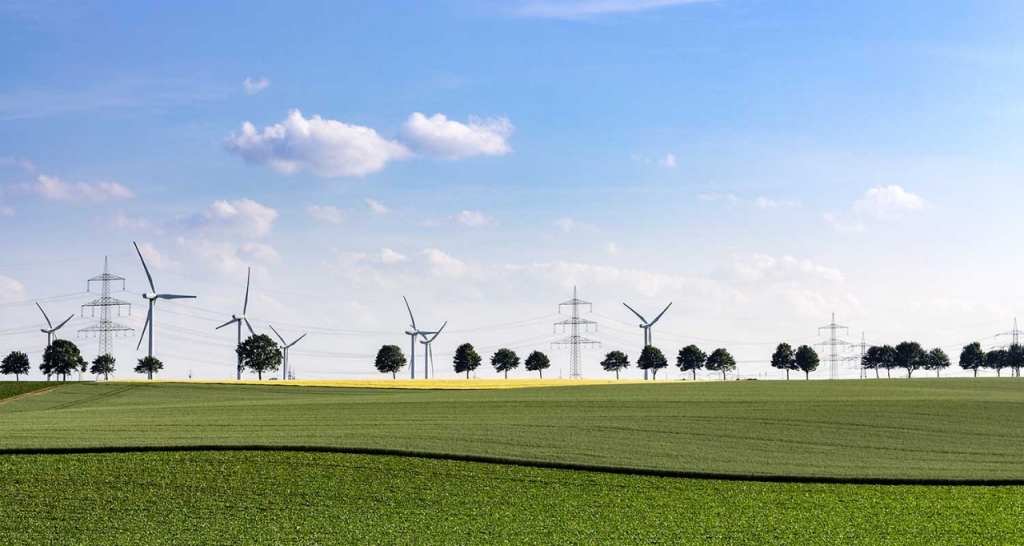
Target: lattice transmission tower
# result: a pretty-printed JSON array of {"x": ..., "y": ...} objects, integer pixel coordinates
[
  {"x": 1015, "y": 336},
  {"x": 106, "y": 328},
  {"x": 575, "y": 341},
  {"x": 832, "y": 346}
]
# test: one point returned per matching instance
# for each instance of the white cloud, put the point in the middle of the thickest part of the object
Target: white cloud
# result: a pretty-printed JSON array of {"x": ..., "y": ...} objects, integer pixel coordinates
[
  {"x": 668, "y": 161},
  {"x": 567, "y": 225},
  {"x": 761, "y": 267},
  {"x": 719, "y": 197},
  {"x": 228, "y": 259},
  {"x": 55, "y": 189},
  {"x": 612, "y": 248},
  {"x": 22, "y": 164},
  {"x": 389, "y": 256},
  {"x": 252, "y": 87},
  {"x": 443, "y": 264},
  {"x": 325, "y": 214},
  {"x": 887, "y": 202},
  {"x": 441, "y": 138},
  {"x": 473, "y": 218},
  {"x": 11, "y": 290},
  {"x": 259, "y": 253},
  {"x": 844, "y": 223},
  {"x": 326, "y": 147},
  {"x": 377, "y": 208},
  {"x": 123, "y": 221},
  {"x": 243, "y": 217},
  {"x": 579, "y": 9},
  {"x": 156, "y": 260}
]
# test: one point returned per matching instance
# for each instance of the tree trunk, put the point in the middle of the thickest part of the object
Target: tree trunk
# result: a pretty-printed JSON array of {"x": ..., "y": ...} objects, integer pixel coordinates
[
  {"x": 936, "y": 373},
  {"x": 787, "y": 374},
  {"x": 723, "y": 375},
  {"x": 394, "y": 375},
  {"x": 541, "y": 373},
  {"x": 909, "y": 373},
  {"x": 998, "y": 372},
  {"x": 259, "y": 375},
  {"x": 616, "y": 375},
  {"x": 16, "y": 378},
  {"x": 876, "y": 372},
  {"x": 467, "y": 373},
  {"x": 506, "y": 374},
  {"x": 695, "y": 374},
  {"x": 807, "y": 376},
  {"x": 888, "y": 373},
  {"x": 654, "y": 374}
]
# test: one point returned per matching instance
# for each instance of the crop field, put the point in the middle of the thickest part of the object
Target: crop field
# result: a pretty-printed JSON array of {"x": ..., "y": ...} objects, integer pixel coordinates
[{"x": 10, "y": 389}]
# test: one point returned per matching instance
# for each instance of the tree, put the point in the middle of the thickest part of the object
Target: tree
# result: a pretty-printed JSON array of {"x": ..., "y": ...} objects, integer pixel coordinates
[
  {"x": 103, "y": 365},
  {"x": 260, "y": 354},
  {"x": 721, "y": 361},
  {"x": 889, "y": 359},
  {"x": 15, "y": 363},
  {"x": 783, "y": 358},
  {"x": 615, "y": 361},
  {"x": 872, "y": 359},
  {"x": 806, "y": 360},
  {"x": 538, "y": 362},
  {"x": 1015, "y": 358},
  {"x": 996, "y": 359},
  {"x": 61, "y": 358},
  {"x": 504, "y": 360},
  {"x": 149, "y": 365},
  {"x": 390, "y": 360},
  {"x": 936, "y": 360},
  {"x": 691, "y": 359},
  {"x": 910, "y": 356},
  {"x": 972, "y": 357},
  {"x": 466, "y": 359},
  {"x": 651, "y": 358}
]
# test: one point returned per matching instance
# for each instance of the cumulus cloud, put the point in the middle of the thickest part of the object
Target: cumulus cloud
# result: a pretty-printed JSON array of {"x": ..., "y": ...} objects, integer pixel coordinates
[
  {"x": 761, "y": 267},
  {"x": 377, "y": 208},
  {"x": 243, "y": 217},
  {"x": 327, "y": 214},
  {"x": 229, "y": 259},
  {"x": 581, "y": 9},
  {"x": 386, "y": 256},
  {"x": 881, "y": 203},
  {"x": 442, "y": 138},
  {"x": 157, "y": 260},
  {"x": 472, "y": 218},
  {"x": 442, "y": 264},
  {"x": 11, "y": 290},
  {"x": 55, "y": 189},
  {"x": 389, "y": 256},
  {"x": 255, "y": 86},
  {"x": 325, "y": 147}
]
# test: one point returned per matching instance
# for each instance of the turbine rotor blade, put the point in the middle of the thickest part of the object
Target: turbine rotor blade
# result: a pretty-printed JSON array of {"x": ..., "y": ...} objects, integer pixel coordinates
[
  {"x": 149, "y": 320},
  {"x": 249, "y": 326},
  {"x": 635, "y": 313},
  {"x": 228, "y": 323},
  {"x": 146, "y": 269},
  {"x": 248, "y": 277},
  {"x": 437, "y": 333},
  {"x": 411, "y": 318},
  {"x": 63, "y": 323},
  {"x": 297, "y": 340},
  {"x": 48, "y": 323},
  {"x": 659, "y": 314},
  {"x": 174, "y": 297},
  {"x": 280, "y": 337}
]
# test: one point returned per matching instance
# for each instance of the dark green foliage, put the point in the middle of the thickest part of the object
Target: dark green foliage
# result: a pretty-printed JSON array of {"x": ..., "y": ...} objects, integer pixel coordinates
[
  {"x": 259, "y": 354},
  {"x": 651, "y": 358},
  {"x": 466, "y": 359},
  {"x": 538, "y": 362},
  {"x": 16, "y": 388},
  {"x": 880, "y": 357},
  {"x": 996, "y": 359},
  {"x": 103, "y": 365},
  {"x": 149, "y": 365},
  {"x": 910, "y": 356},
  {"x": 972, "y": 357},
  {"x": 721, "y": 361},
  {"x": 615, "y": 361},
  {"x": 936, "y": 360},
  {"x": 390, "y": 360},
  {"x": 16, "y": 364},
  {"x": 1015, "y": 358},
  {"x": 806, "y": 360},
  {"x": 61, "y": 358},
  {"x": 504, "y": 360},
  {"x": 691, "y": 359},
  {"x": 784, "y": 359}
]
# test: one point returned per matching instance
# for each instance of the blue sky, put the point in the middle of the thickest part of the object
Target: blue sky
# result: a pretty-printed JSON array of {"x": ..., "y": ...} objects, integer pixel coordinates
[{"x": 761, "y": 164}]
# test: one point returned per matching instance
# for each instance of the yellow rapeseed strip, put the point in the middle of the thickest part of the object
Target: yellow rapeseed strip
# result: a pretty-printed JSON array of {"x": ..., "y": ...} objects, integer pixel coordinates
[{"x": 441, "y": 384}]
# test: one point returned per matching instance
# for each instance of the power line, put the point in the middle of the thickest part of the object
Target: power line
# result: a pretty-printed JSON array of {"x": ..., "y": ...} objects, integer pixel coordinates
[
  {"x": 833, "y": 345},
  {"x": 575, "y": 341}
]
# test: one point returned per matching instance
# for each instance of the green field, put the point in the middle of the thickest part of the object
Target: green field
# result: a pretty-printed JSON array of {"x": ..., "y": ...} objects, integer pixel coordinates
[
  {"x": 317, "y": 498},
  {"x": 10, "y": 389}
]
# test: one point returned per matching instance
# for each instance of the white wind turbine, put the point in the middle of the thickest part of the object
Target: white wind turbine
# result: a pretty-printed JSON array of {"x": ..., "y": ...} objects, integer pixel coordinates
[
  {"x": 646, "y": 326},
  {"x": 51, "y": 332},
  {"x": 151, "y": 297},
  {"x": 413, "y": 334},
  {"x": 284, "y": 349},
  {"x": 428, "y": 349},
  {"x": 239, "y": 319}
]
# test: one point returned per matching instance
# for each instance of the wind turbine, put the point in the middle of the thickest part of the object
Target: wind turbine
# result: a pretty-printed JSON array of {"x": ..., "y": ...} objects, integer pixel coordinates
[
  {"x": 412, "y": 335},
  {"x": 428, "y": 349},
  {"x": 239, "y": 319},
  {"x": 51, "y": 332},
  {"x": 646, "y": 326},
  {"x": 152, "y": 297},
  {"x": 284, "y": 349}
]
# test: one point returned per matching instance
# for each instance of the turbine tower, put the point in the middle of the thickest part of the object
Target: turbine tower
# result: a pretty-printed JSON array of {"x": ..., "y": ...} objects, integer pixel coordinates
[
  {"x": 428, "y": 349},
  {"x": 151, "y": 297},
  {"x": 51, "y": 332},
  {"x": 284, "y": 349},
  {"x": 646, "y": 326},
  {"x": 239, "y": 319},
  {"x": 412, "y": 341}
]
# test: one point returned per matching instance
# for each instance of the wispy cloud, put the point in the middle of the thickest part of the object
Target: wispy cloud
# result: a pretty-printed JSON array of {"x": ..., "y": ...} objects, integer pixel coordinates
[
  {"x": 377, "y": 208},
  {"x": 255, "y": 86},
  {"x": 580, "y": 9},
  {"x": 882, "y": 203}
]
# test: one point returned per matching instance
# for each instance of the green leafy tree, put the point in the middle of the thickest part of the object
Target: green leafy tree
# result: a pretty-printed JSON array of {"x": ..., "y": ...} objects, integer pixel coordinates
[
  {"x": 61, "y": 358},
  {"x": 103, "y": 365},
  {"x": 721, "y": 361},
  {"x": 936, "y": 360},
  {"x": 466, "y": 359},
  {"x": 910, "y": 356},
  {"x": 651, "y": 358},
  {"x": 996, "y": 360},
  {"x": 149, "y": 365},
  {"x": 15, "y": 364},
  {"x": 806, "y": 360},
  {"x": 537, "y": 362},
  {"x": 890, "y": 360},
  {"x": 259, "y": 353},
  {"x": 1015, "y": 358},
  {"x": 390, "y": 360},
  {"x": 504, "y": 360},
  {"x": 784, "y": 358},
  {"x": 691, "y": 359},
  {"x": 615, "y": 361},
  {"x": 972, "y": 357},
  {"x": 872, "y": 359}
]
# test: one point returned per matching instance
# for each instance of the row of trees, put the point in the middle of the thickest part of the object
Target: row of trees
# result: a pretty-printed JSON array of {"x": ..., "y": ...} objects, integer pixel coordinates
[{"x": 973, "y": 357}]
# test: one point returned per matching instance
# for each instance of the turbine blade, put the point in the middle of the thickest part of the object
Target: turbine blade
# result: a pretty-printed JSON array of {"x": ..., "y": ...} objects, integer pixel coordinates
[
  {"x": 249, "y": 326},
  {"x": 48, "y": 323},
  {"x": 635, "y": 313},
  {"x": 437, "y": 333},
  {"x": 146, "y": 269},
  {"x": 228, "y": 323},
  {"x": 149, "y": 320},
  {"x": 248, "y": 276},
  {"x": 279, "y": 336},
  {"x": 410, "y": 312},
  {"x": 63, "y": 323},
  {"x": 659, "y": 314},
  {"x": 297, "y": 340},
  {"x": 174, "y": 297}
]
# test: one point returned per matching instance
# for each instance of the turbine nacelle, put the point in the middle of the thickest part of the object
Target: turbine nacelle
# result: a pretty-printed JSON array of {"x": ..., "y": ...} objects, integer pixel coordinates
[
  {"x": 237, "y": 317},
  {"x": 150, "y": 296}
]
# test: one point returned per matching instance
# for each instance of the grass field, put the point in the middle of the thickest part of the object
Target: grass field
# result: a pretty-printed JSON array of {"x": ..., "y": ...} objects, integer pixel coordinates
[
  {"x": 10, "y": 389},
  {"x": 317, "y": 498},
  {"x": 851, "y": 430}
]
